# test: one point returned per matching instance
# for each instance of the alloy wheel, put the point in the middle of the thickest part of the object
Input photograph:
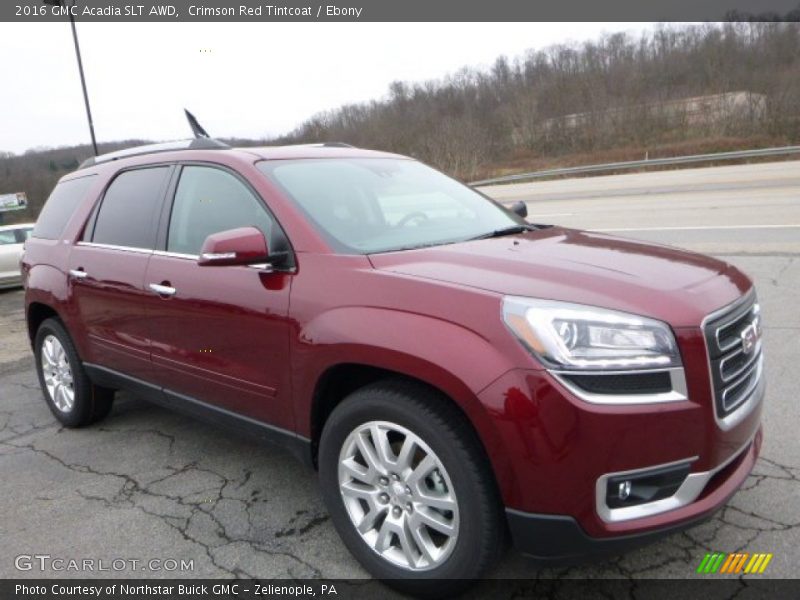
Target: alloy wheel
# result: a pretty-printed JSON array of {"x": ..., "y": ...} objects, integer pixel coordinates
[
  {"x": 398, "y": 495},
  {"x": 57, "y": 374}
]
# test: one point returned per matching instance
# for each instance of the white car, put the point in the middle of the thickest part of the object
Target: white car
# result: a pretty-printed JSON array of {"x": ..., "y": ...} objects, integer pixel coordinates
[{"x": 12, "y": 240}]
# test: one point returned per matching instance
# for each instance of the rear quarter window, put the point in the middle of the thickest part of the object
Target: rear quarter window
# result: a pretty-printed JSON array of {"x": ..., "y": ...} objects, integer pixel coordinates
[{"x": 58, "y": 208}]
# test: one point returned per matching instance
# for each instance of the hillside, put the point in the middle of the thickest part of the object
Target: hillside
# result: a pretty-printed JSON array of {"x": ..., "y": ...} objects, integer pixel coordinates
[
  {"x": 676, "y": 90},
  {"x": 673, "y": 89}
]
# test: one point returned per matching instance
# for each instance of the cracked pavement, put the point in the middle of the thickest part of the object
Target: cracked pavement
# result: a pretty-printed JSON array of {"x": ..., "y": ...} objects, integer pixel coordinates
[{"x": 148, "y": 483}]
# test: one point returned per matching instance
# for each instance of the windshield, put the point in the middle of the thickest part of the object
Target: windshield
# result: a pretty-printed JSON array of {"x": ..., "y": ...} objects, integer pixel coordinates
[{"x": 368, "y": 205}]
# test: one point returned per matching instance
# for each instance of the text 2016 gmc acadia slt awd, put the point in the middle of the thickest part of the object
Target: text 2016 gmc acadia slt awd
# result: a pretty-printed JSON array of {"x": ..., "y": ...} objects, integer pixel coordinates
[{"x": 458, "y": 376}]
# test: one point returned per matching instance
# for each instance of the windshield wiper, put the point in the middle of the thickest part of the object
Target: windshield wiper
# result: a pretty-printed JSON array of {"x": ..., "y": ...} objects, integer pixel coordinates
[
  {"x": 505, "y": 231},
  {"x": 497, "y": 233}
]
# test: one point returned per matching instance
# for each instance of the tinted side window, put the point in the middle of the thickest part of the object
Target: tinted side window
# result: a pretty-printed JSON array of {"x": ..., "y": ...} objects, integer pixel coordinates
[
  {"x": 128, "y": 211},
  {"x": 210, "y": 200},
  {"x": 59, "y": 207},
  {"x": 23, "y": 235},
  {"x": 7, "y": 237}
]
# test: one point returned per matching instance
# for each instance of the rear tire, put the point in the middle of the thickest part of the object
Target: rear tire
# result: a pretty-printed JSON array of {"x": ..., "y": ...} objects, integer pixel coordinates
[
  {"x": 73, "y": 399},
  {"x": 394, "y": 503}
]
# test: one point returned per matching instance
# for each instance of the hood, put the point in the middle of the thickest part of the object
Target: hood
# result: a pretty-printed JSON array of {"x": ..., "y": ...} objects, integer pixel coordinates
[{"x": 672, "y": 285}]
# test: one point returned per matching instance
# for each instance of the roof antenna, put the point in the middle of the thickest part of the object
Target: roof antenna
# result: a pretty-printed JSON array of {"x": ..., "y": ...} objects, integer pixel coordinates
[{"x": 197, "y": 129}]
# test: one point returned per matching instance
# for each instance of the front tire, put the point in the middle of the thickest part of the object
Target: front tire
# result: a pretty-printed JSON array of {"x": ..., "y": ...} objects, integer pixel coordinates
[
  {"x": 73, "y": 399},
  {"x": 409, "y": 488}
]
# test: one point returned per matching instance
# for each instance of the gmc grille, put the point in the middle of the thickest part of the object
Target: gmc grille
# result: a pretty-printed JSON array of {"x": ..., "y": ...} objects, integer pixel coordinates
[{"x": 733, "y": 337}]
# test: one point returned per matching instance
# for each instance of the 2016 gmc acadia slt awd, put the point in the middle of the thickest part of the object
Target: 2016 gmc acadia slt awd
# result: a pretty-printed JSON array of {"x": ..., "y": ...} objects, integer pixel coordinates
[{"x": 457, "y": 375}]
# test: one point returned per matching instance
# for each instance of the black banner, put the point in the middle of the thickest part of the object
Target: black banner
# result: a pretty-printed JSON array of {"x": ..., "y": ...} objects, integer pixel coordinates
[
  {"x": 399, "y": 10},
  {"x": 705, "y": 587}
]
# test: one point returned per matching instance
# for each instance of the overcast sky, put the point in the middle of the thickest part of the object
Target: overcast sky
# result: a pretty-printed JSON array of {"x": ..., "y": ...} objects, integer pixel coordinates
[{"x": 241, "y": 79}]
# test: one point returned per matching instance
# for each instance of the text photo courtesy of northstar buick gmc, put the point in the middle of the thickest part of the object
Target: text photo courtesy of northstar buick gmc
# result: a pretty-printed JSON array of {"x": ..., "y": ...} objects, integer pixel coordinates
[{"x": 459, "y": 378}]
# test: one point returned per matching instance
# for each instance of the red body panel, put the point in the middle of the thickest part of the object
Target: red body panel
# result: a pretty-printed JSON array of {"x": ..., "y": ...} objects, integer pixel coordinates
[
  {"x": 109, "y": 307},
  {"x": 257, "y": 343},
  {"x": 223, "y": 337},
  {"x": 588, "y": 268}
]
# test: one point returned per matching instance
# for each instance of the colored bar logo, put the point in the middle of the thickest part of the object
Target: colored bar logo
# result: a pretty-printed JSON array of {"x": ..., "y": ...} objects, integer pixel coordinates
[{"x": 735, "y": 563}]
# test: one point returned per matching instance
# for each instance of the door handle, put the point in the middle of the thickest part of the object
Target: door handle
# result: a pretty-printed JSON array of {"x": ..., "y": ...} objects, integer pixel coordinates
[
  {"x": 162, "y": 290},
  {"x": 78, "y": 273}
]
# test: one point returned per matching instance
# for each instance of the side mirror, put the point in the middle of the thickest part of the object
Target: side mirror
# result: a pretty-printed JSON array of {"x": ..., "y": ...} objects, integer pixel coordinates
[
  {"x": 520, "y": 208},
  {"x": 242, "y": 246}
]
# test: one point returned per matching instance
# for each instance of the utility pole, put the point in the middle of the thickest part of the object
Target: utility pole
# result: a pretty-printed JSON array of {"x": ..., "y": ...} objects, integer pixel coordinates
[{"x": 80, "y": 67}]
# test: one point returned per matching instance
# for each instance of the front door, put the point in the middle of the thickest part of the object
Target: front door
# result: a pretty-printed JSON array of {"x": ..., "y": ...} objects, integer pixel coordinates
[{"x": 219, "y": 334}]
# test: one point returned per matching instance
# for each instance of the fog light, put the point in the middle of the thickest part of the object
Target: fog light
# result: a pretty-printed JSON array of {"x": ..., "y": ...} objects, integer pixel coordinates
[{"x": 647, "y": 485}]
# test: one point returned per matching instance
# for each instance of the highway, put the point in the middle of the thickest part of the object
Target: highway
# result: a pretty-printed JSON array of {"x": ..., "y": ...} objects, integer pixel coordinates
[
  {"x": 753, "y": 209},
  {"x": 150, "y": 483}
]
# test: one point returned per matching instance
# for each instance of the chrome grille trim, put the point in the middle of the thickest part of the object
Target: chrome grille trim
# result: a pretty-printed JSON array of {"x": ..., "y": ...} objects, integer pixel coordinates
[
  {"x": 735, "y": 393},
  {"x": 739, "y": 316},
  {"x": 746, "y": 367},
  {"x": 755, "y": 370}
]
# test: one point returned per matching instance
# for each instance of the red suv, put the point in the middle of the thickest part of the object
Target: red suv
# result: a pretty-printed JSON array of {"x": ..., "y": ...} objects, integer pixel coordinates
[{"x": 456, "y": 374}]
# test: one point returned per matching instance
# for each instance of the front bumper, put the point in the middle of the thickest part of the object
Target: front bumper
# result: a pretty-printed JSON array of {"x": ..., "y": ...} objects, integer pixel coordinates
[
  {"x": 559, "y": 450},
  {"x": 560, "y": 539}
]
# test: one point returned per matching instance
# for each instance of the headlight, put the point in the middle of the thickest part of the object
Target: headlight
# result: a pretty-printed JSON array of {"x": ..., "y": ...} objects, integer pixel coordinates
[{"x": 577, "y": 337}]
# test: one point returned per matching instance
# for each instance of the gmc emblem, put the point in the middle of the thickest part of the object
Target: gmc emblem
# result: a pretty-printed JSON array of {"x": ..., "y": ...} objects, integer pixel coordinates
[{"x": 749, "y": 337}]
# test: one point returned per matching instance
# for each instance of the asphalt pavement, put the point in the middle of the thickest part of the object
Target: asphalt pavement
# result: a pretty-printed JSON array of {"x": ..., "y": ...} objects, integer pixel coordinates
[{"x": 150, "y": 484}]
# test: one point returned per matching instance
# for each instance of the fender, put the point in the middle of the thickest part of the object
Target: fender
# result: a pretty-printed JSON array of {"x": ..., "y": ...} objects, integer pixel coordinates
[
  {"x": 456, "y": 360},
  {"x": 47, "y": 285}
]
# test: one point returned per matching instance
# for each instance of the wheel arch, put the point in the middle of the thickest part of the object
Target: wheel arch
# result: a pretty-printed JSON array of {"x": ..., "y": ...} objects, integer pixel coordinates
[
  {"x": 37, "y": 313},
  {"x": 347, "y": 347},
  {"x": 46, "y": 295},
  {"x": 341, "y": 379}
]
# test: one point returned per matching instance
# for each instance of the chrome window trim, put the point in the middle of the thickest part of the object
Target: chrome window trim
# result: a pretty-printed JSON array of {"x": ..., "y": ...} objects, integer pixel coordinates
[
  {"x": 688, "y": 492},
  {"x": 176, "y": 255},
  {"x": 113, "y": 247},
  {"x": 677, "y": 378},
  {"x": 265, "y": 267}
]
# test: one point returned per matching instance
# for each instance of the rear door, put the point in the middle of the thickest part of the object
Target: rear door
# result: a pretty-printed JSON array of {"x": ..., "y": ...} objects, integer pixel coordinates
[
  {"x": 220, "y": 334},
  {"x": 107, "y": 270}
]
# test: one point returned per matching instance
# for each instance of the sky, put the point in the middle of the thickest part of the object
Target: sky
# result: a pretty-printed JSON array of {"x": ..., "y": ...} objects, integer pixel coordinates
[{"x": 249, "y": 80}]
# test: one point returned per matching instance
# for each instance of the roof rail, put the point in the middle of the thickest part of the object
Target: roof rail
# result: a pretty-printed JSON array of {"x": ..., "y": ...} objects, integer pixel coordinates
[
  {"x": 322, "y": 145},
  {"x": 193, "y": 144}
]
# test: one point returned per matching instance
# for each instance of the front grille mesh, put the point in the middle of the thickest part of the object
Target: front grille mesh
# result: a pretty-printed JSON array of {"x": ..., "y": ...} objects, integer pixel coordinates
[
  {"x": 734, "y": 371},
  {"x": 623, "y": 383}
]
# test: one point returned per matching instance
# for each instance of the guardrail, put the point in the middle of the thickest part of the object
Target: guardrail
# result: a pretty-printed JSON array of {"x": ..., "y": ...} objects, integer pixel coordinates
[{"x": 637, "y": 164}]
